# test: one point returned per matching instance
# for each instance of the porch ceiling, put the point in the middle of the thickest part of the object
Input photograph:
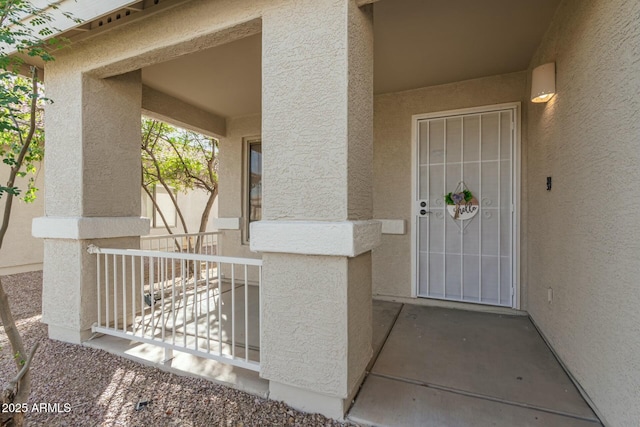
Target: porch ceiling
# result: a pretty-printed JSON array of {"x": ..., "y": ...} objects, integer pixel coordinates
[
  {"x": 421, "y": 43},
  {"x": 418, "y": 43}
]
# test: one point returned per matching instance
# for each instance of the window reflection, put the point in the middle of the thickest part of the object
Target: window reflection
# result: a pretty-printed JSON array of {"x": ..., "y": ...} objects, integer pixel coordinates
[{"x": 255, "y": 182}]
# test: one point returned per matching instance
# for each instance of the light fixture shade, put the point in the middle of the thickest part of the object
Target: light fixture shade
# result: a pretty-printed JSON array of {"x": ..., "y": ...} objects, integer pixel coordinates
[{"x": 543, "y": 82}]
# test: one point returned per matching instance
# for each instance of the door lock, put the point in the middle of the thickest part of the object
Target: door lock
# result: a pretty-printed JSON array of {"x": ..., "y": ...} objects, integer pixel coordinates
[{"x": 422, "y": 207}]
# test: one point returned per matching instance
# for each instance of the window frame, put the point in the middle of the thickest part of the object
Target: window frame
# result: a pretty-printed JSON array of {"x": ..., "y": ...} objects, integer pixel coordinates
[{"x": 246, "y": 190}]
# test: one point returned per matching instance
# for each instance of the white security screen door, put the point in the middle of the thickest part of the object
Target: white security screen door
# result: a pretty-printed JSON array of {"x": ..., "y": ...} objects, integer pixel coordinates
[{"x": 467, "y": 255}]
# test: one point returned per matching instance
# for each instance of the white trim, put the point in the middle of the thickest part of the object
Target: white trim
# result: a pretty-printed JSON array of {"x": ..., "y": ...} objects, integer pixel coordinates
[
  {"x": 466, "y": 111},
  {"x": 458, "y": 305},
  {"x": 517, "y": 200},
  {"x": 517, "y": 163},
  {"x": 393, "y": 226},
  {"x": 335, "y": 238},
  {"x": 246, "y": 178},
  {"x": 79, "y": 228},
  {"x": 226, "y": 223},
  {"x": 414, "y": 196},
  {"x": 93, "y": 249}
]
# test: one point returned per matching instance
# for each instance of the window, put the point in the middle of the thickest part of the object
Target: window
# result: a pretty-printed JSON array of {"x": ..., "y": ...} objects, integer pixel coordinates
[{"x": 254, "y": 183}]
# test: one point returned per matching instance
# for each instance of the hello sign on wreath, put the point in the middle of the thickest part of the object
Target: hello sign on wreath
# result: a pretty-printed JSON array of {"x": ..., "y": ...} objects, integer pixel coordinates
[{"x": 461, "y": 204}]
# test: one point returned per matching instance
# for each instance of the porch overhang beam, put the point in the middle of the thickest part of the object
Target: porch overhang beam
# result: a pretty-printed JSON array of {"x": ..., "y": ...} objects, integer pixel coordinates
[{"x": 159, "y": 105}]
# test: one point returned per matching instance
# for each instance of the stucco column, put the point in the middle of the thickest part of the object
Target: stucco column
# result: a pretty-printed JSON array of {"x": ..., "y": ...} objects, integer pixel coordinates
[
  {"x": 317, "y": 233},
  {"x": 92, "y": 190}
]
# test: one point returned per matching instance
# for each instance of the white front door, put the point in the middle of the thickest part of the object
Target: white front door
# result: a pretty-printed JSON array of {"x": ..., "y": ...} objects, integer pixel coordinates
[{"x": 465, "y": 251}]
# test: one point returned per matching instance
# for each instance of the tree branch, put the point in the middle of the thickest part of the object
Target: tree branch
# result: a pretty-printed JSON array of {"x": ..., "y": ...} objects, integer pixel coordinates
[
  {"x": 6, "y": 12},
  {"x": 204, "y": 219},
  {"x": 13, "y": 335},
  {"x": 167, "y": 188},
  {"x": 15, "y": 383},
  {"x": 186, "y": 169},
  {"x": 23, "y": 152}
]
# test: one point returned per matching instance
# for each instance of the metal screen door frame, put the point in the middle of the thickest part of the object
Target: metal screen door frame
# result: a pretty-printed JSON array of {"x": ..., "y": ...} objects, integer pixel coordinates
[{"x": 516, "y": 161}]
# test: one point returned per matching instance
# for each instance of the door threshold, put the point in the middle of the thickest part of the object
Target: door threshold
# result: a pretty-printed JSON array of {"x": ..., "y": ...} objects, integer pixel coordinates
[{"x": 458, "y": 305}]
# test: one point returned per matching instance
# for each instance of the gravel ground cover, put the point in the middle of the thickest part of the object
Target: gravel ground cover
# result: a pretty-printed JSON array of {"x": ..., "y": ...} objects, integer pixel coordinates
[{"x": 100, "y": 389}]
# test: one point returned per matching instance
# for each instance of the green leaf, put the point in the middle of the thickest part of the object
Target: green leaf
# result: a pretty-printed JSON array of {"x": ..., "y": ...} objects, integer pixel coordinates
[{"x": 449, "y": 199}]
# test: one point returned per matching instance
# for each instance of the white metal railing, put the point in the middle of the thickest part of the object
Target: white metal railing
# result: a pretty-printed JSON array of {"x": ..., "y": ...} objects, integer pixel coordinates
[
  {"x": 206, "y": 305},
  {"x": 194, "y": 243}
]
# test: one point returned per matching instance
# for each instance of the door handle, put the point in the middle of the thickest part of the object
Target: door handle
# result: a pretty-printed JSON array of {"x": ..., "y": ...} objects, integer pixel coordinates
[{"x": 421, "y": 207}]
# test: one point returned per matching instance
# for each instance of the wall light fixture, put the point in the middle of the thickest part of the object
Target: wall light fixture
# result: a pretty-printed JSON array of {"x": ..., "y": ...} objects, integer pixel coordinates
[{"x": 543, "y": 82}]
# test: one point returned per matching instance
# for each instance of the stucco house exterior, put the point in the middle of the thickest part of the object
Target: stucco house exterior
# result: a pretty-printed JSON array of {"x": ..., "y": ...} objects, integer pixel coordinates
[
  {"x": 27, "y": 252},
  {"x": 365, "y": 114}
]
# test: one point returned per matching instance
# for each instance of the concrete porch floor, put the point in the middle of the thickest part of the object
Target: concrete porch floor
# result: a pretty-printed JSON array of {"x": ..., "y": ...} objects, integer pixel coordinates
[
  {"x": 445, "y": 367},
  {"x": 431, "y": 367}
]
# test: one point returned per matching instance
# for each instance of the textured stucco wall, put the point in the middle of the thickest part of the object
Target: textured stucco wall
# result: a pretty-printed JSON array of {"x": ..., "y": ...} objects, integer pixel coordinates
[
  {"x": 359, "y": 126},
  {"x": 316, "y": 135},
  {"x": 93, "y": 170},
  {"x": 311, "y": 115},
  {"x": 163, "y": 36},
  {"x": 360, "y": 321},
  {"x": 90, "y": 127},
  {"x": 111, "y": 142},
  {"x": 584, "y": 234},
  {"x": 317, "y": 285},
  {"x": 20, "y": 251},
  {"x": 69, "y": 308},
  {"x": 392, "y": 197},
  {"x": 316, "y": 107}
]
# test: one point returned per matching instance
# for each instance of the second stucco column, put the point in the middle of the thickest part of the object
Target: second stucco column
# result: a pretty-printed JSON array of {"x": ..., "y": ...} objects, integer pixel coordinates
[
  {"x": 92, "y": 189},
  {"x": 316, "y": 235}
]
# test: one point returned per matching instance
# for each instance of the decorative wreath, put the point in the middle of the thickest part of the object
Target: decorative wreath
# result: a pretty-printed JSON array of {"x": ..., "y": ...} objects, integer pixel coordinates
[
  {"x": 461, "y": 204},
  {"x": 457, "y": 198}
]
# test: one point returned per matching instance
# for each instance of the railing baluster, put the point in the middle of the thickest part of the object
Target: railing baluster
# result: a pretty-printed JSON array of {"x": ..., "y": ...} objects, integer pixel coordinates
[
  {"x": 184, "y": 303},
  {"x": 219, "y": 310},
  {"x": 246, "y": 315},
  {"x": 173, "y": 301},
  {"x": 208, "y": 308},
  {"x": 233, "y": 310},
  {"x": 133, "y": 294},
  {"x": 99, "y": 289},
  {"x": 106, "y": 289},
  {"x": 259, "y": 304},
  {"x": 152, "y": 297},
  {"x": 143, "y": 309},
  {"x": 124, "y": 294},
  {"x": 195, "y": 303},
  {"x": 163, "y": 268},
  {"x": 115, "y": 292},
  {"x": 159, "y": 275}
]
